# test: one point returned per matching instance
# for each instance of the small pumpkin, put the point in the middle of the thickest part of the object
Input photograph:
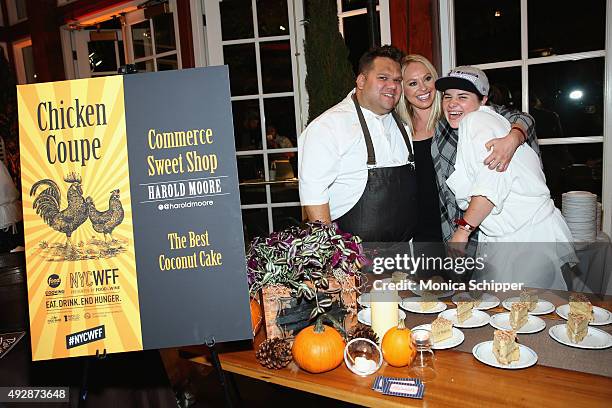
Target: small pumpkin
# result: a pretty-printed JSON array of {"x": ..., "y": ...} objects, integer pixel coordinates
[
  {"x": 256, "y": 316},
  {"x": 397, "y": 346},
  {"x": 318, "y": 348}
]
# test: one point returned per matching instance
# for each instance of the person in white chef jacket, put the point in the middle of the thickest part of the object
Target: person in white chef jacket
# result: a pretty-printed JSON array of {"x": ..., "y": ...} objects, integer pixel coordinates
[{"x": 505, "y": 207}]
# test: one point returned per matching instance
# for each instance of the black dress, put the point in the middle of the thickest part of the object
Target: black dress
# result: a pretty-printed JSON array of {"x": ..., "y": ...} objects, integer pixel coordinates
[{"x": 429, "y": 224}]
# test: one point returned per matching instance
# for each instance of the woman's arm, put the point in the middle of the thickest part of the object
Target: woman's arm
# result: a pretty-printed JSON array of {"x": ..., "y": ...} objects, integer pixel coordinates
[
  {"x": 505, "y": 147},
  {"x": 480, "y": 207}
]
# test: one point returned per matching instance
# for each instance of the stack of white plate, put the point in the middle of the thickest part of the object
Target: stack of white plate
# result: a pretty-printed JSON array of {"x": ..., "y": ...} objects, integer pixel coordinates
[{"x": 579, "y": 208}]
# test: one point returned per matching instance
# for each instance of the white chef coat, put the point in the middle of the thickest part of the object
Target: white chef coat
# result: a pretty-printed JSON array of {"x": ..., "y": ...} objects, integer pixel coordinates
[
  {"x": 523, "y": 213},
  {"x": 332, "y": 155}
]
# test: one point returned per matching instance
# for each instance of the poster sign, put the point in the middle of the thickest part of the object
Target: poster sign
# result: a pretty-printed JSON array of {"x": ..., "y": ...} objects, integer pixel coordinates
[{"x": 132, "y": 218}]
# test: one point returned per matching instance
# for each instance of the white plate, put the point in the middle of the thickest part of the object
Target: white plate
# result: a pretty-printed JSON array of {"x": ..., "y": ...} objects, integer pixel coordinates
[
  {"x": 488, "y": 301},
  {"x": 595, "y": 338},
  {"x": 543, "y": 306},
  {"x": 413, "y": 304},
  {"x": 364, "y": 299},
  {"x": 502, "y": 321},
  {"x": 365, "y": 316},
  {"x": 478, "y": 319},
  {"x": 454, "y": 341},
  {"x": 600, "y": 316},
  {"x": 484, "y": 353}
]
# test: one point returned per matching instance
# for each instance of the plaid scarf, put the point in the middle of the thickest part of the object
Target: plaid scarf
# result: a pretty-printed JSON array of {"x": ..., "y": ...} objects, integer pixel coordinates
[{"x": 444, "y": 152}]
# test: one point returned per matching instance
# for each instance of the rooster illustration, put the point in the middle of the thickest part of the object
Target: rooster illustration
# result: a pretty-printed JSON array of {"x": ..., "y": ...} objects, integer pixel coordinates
[
  {"x": 105, "y": 222},
  {"x": 47, "y": 204}
]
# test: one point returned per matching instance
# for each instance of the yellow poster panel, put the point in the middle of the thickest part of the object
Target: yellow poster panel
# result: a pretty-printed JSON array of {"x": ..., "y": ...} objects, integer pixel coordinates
[{"x": 82, "y": 284}]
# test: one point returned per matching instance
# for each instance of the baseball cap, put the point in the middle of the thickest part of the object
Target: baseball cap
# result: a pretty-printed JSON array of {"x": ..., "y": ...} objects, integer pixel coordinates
[{"x": 465, "y": 77}]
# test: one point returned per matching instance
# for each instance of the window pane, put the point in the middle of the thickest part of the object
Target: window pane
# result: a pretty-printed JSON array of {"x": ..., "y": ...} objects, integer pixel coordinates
[
  {"x": 487, "y": 31},
  {"x": 566, "y": 98},
  {"x": 247, "y": 124},
  {"x": 276, "y": 74},
  {"x": 141, "y": 39},
  {"x": 167, "y": 63},
  {"x": 354, "y": 4},
  {"x": 236, "y": 19},
  {"x": 121, "y": 53},
  {"x": 280, "y": 115},
  {"x": 28, "y": 64},
  {"x": 163, "y": 25},
  {"x": 563, "y": 26},
  {"x": 272, "y": 17},
  {"x": 250, "y": 168},
  {"x": 22, "y": 12},
  {"x": 286, "y": 217},
  {"x": 572, "y": 167},
  {"x": 253, "y": 194},
  {"x": 505, "y": 87},
  {"x": 356, "y": 37},
  {"x": 255, "y": 223},
  {"x": 145, "y": 66},
  {"x": 242, "y": 68},
  {"x": 285, "y": 192},
  {"x": 102, "y": 56}
]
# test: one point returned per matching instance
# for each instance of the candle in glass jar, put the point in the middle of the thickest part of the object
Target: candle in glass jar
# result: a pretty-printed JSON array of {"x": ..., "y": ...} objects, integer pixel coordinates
[{"x": 385, "y": 312}]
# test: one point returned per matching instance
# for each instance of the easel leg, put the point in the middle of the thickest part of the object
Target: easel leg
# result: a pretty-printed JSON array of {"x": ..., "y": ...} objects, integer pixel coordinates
[
  {"x": 83, "y": 391},
  {"x": 217, "y": 364}
]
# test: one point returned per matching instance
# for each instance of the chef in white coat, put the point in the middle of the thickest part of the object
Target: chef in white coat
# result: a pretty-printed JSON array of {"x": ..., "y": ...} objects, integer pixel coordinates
[{"x": 502, "y": 207}]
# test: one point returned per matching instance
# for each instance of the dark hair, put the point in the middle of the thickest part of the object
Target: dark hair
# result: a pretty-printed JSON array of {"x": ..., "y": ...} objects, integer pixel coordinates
[{"x": 386, "y": 51}]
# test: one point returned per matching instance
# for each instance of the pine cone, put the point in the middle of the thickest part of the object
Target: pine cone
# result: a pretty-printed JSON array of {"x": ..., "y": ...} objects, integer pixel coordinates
[
  {"x": 362, "y": 331},
  {"x": 274, "y": 353}
]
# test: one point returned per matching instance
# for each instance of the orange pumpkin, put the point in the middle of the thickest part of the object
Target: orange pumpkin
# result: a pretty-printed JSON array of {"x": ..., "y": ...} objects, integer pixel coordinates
[
  {"x": 397, "y": 346},
  {"x": 318, "y": 348},
  {"x": 256, "y": 316}
]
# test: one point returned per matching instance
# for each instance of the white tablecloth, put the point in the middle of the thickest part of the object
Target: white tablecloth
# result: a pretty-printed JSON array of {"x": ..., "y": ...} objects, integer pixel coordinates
[{"x": 594, "y": 272}]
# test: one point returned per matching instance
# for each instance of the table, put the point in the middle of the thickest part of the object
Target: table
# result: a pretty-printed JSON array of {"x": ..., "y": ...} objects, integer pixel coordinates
[{"x": 461, "y": 381}]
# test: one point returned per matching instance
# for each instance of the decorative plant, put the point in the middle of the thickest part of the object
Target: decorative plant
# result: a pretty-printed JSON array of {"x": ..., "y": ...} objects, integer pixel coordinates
[{"x": 311, "y": 253}]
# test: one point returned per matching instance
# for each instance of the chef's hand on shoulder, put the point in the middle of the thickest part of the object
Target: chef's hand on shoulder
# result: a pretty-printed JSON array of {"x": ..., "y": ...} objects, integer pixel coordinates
[{"x": 502, "y": 150}]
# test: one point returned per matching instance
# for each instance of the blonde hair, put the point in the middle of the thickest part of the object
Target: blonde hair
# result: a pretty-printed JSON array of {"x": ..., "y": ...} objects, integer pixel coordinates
[{"x": 405, "y": 110}]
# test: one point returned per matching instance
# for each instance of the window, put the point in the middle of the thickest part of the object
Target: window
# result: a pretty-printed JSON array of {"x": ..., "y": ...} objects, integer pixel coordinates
[
  {"x": 24, "y": 62},
  {"x": 154, "y": 40},
  {"x": 353, "y": 23},
  {"x": 534, "y": 64},
  {"x": 259, "y": 41},
  {"x": 104, "y": 41},
  {"x": 16, "y": 11}
]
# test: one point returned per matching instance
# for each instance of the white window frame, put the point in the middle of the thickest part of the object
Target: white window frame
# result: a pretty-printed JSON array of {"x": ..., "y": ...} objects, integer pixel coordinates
[
  {"x": 132, "y": 16},
  {"x": 448, "y": 53},
  {"x": 19, "y": 63},
  {"x": 296, "y": 41},
  {"x": 138, "y": 16},
  {"x": 383, "y": 9},
  {"x": 12, "y": 12},
  {"x": 82, "y": 39}
]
